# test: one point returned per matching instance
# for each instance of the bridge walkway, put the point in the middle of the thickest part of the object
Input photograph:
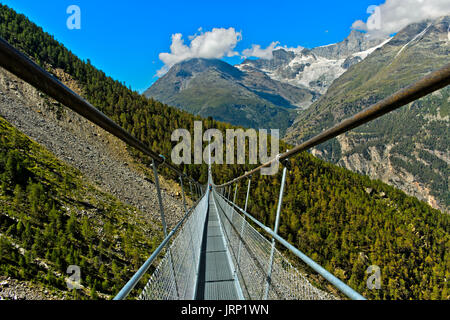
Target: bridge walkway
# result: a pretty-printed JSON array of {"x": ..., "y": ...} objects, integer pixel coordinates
[{"x": 216, "y": 279}]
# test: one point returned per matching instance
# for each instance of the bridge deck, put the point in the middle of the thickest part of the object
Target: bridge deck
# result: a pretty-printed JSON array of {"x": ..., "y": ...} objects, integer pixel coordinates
[{"x": 215, "y": 280}]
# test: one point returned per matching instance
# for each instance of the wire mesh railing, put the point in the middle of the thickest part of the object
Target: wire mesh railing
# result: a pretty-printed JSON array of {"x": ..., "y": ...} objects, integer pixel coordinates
[
  {"x": 175, "y": 277},
  {"x": 251, "y": 251}
]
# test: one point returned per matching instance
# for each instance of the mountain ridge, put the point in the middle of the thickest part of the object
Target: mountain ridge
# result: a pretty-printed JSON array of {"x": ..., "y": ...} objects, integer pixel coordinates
[
  {"x": 211, "y": 87},
  {"x": 415, "y": 51}
]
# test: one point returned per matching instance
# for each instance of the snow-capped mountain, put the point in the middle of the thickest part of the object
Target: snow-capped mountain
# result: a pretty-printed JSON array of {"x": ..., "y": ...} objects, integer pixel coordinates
[{"x": 317, "y": 68}]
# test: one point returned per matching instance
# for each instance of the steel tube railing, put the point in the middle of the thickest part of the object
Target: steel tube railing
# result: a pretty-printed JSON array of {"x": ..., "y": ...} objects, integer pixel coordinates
[
  {"x": 428, "y": 84},
  {"x": 341, "y": 286}
]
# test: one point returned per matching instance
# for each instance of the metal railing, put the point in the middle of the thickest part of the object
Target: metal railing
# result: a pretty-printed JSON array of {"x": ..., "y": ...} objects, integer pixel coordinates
[
  {"x": 175, "y": 278},
  {"x": 125, "y": 291},
  {"x": 257, "y": 260},
  {"x": 428, "y": 84},
  {"x": 23, "y": 67}
]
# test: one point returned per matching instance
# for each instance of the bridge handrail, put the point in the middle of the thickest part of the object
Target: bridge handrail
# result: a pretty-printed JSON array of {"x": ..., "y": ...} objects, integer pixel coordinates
[
  {"x": 428, "y": 84},
  {"x": 344, "y": 288},
  {"x": 125, "y": 291}
]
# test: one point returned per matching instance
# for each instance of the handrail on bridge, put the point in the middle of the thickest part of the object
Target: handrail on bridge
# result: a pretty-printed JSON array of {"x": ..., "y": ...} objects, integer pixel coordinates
[
  {"x": 23, "y": 67},
  {"x": 125, "y": 291},
  {"x": 349, "y": 292}
]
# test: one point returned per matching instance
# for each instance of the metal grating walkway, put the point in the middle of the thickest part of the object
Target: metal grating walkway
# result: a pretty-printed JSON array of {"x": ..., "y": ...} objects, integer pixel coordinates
[{"x": 215, "y": 279}]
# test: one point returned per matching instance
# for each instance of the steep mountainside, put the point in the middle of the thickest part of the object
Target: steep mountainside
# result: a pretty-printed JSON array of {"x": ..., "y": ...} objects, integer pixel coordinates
[
  {"x": 52, "y": 217},
  {"x": 245, "y": 97},
  {"x": 97, "y": 154},
  {"x": 408, "y": 148}
]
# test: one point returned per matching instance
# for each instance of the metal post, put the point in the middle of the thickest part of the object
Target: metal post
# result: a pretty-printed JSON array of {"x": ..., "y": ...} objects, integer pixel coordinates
[
  {"x": 190, "y": 188},
  {"x": 158, "y": 191},
  {"x": 277, "y": 223},
  {"x": 234, "y": 201},
  {"x": 161, "y": 210},
  {"x": 248, "y": 192},
  {"x": 182, "y": 193},
  {"x": 243, "y": 224},
  {"x": 190, "y": 228},
  {"x": 229, "y": 192}
]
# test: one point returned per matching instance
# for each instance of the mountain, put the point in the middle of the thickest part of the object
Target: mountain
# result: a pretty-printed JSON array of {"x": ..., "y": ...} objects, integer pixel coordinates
[
  {"x": 356, "y": 43},
  {"x": 315, "y": 69},
  {"x": 408, "y": 148},
  {"x": 243, "y": 97},
  {"x": 263, "y": 93}
]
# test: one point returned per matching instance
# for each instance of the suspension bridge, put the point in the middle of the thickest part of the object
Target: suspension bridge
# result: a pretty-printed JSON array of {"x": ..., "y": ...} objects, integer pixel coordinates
[{"x": 215, "y": 252}]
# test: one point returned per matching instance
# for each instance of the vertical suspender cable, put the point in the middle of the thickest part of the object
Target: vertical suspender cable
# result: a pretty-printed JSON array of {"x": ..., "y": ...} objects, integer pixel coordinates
[{"x": 275, "y": 230}]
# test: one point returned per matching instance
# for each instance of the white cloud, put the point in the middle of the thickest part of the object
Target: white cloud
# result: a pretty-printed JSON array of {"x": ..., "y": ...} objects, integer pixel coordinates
[
  {"x": 257, "y": 52},
  {"x": 267, "y": 53},
  {"x": 297, "y": 49},
  {"x": 217, "y": 43},
  {"x": 393, "y": 15}
]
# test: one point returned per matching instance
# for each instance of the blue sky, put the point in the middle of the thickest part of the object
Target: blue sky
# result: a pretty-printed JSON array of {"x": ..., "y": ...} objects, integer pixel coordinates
[{"x": 125, "y": 38}]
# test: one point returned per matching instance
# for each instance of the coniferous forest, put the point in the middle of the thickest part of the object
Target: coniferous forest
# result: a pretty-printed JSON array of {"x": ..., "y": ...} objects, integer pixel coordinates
[{"x": 344, "y": 221}]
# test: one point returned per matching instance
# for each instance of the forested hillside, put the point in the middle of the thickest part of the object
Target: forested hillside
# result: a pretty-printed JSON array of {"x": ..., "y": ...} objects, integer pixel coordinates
[
  {"x": 344, "y": 221},
  {"x": 52, "y": 218},
  {"x": 347, "y": 222}
]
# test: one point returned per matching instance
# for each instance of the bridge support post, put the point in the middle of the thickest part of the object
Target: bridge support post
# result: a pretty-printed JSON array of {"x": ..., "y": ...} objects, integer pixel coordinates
[
  {"x": 231, "y": 214},
  {"x": 243, "y": 224},
  {"x": 163, "y": 220},
  {"x": 234, "y": 200},
  {"x": 277, "y": 223},
  {"x": 182, "y": 194}
]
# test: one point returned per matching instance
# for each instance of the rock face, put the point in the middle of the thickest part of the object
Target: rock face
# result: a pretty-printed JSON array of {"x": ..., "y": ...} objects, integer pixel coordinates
[
  {"x": 246, "y": 96},
  {"x": 408, "y": 148},
  {"x": 355, "y": 42},
  {"x": 12, "y": 289}
]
